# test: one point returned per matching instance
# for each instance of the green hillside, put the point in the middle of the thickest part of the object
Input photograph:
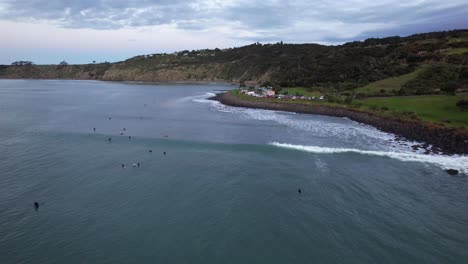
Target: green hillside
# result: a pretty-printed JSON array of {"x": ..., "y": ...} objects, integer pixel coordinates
[
  {"x": 389, "y": 85},
  {"x": 433, "y": 108},
  {"x": 334, "y": 68}
]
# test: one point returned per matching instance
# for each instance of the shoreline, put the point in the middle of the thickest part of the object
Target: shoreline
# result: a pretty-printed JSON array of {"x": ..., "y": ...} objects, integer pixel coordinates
[
  {"x": 125, "y": 81},
  {"x": 443, "y": 140}
]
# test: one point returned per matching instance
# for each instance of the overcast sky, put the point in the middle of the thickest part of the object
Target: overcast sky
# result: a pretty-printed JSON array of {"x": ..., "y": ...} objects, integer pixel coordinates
[{"x": 49, "y": 31}]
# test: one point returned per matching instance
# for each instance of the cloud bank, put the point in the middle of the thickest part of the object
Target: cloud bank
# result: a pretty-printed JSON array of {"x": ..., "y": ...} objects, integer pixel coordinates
[{"x": 244, "y": 21}]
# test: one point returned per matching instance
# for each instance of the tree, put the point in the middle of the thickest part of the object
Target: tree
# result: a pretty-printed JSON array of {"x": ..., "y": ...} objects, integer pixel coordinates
[
  {"x": 450, "y": 87},
  {"x": 63, "y": 63},
  {"x": 277, "y": 88},
  {"x": 463, "y": 104},
  {"x": 348, "y": 100},
  {"x": 21, "y": 63}
]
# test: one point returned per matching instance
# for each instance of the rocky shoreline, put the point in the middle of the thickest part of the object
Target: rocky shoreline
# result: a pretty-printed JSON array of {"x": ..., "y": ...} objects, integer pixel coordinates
[{"x": 437, "y": 139}]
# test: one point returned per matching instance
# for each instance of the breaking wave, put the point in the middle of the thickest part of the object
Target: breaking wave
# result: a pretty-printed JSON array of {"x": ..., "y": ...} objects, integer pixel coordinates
[
  {"x": 344, "y": 130},
  {"x": 445, "y": 162},
  {"x": 204, "y": 98},
  {"x": 197, "y": 98}
]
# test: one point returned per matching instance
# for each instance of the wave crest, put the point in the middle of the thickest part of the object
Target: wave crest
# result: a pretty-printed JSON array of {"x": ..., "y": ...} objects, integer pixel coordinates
[{"x": 443, "y": 161}]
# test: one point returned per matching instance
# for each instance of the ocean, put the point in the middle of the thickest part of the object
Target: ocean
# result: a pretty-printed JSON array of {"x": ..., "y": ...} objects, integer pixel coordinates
[{"x": 216, "y": 184}]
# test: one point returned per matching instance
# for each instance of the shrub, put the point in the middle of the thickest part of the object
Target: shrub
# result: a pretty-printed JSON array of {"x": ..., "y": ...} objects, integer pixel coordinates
[
  {"x": 360, "y": 96},
  {"x": 346, "y": 93},
  {"x": 356, "y": 105},
  {"x": 333, "y": 99},
  {"x": 348, "y": 100},
  {"x": 408, "y": 113},
  {"x": 450, "y": 87},
  {"x": 463, "y": 104},
  {"x": 401, "y": 92}
]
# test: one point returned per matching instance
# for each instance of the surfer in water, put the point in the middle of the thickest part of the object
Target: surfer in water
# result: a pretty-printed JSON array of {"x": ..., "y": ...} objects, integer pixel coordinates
[
  {"x": 110, "y": 139},
  {"x": 36, "y": 205},
  {"x": 299, "y": 190},
  {"x": 123, "y": 166},
  {"x": 94, "y": 129}
]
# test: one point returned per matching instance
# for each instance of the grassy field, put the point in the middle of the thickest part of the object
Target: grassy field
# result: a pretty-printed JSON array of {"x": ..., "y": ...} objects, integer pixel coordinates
[
  {"x": 433, "y": 108},
  {"x": 300, "y": 91},
  {"x": 457, "y": 40},
  {"x": 389, "y": 84},
  {"x": 458, "y": 51},
  {"x": 428, "y": 41},
  {"x": 439, "y": 109}
]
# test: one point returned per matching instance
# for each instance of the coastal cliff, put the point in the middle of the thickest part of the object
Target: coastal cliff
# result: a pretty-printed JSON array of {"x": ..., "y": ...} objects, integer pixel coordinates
[
  {"x": 72, "y": 72},
  {"x": 446, "y": 140},
  {"x": 341, "y": 67}
]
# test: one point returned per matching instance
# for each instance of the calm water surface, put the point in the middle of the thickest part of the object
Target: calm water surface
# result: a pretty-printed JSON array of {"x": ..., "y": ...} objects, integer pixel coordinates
[{"x": 225, "y": 192}]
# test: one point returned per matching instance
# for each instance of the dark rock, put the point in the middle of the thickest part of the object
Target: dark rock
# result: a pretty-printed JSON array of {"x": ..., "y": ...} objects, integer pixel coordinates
[
  {"x": 448, "y": 140},
  {"x": 452, "y": 171}
]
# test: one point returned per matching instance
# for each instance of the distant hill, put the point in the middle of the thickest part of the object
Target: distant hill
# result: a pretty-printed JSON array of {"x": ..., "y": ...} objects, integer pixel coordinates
[{"x": 343, "y": 67}]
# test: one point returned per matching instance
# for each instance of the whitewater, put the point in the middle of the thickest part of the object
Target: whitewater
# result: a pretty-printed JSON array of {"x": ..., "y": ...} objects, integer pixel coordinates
[{"x": 374, "y": 142}]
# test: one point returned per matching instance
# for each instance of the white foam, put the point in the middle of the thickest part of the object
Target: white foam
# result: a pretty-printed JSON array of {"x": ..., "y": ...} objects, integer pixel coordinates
[
  {"x": 325, "y": 127},
  {"x": 203, "y": 98},
  {"x": 347, "y": 132},
  {"x": 196, "y": 98},
  {"x": 458, "y": 162}
]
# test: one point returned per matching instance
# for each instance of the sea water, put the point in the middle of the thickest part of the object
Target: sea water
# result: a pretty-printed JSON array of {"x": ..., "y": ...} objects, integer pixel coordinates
[{"x": 226, "y": 191}]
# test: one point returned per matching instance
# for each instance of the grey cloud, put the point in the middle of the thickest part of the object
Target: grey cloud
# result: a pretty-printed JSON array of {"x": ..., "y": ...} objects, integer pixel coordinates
[{"x": 293, "y": 21}]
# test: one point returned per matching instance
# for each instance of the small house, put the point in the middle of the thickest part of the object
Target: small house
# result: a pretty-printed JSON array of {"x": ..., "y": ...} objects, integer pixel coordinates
[{"x": 268, "y": 93}]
